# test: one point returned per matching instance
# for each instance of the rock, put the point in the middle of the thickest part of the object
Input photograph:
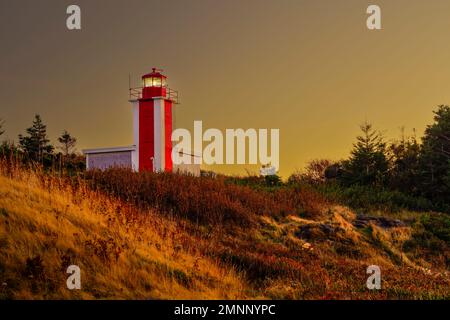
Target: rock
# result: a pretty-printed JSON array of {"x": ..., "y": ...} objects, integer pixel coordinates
[
  {"x": 318, "y": 232},
  {"x": 364, "y": 220}
]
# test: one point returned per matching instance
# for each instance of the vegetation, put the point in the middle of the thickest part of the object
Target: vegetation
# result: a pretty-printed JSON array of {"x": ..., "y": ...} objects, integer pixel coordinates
[
  {"x": 67, "y": 143},
  {"x": 435, "y": 159},
  {"x": 161, "y": 235},
  {"x": 368, "y": 164},
  {"x": 36, "y": 144},
  {"x": 2, "y": 123},
  {"x": 403, "y": 174},
  {"x": 47, "y": 225},
  {"x": 186, "y": 197},
  {"x": 35, "y": 148},
  {"x": 367, "y": 199}
]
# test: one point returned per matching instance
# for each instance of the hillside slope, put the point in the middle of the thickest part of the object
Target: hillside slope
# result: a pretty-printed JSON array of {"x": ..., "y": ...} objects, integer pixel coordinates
[
  {"x": 146, "y": 237},
  {"x": 42, "y": 231}
]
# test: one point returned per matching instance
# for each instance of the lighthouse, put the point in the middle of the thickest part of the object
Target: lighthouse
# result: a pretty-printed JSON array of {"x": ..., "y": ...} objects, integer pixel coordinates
[
  {"x": 152, "y": 106},
  {"x": 153, "y": 109}
]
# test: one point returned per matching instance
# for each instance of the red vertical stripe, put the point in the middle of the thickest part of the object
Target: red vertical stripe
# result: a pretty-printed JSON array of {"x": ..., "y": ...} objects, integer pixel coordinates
[
  {"x": 168, "y": 134},
  {"x": 146, "y": 135}
]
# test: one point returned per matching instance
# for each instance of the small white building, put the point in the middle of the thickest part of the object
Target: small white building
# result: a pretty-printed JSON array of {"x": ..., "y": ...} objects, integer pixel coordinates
[{"x": 104, "y": 158}]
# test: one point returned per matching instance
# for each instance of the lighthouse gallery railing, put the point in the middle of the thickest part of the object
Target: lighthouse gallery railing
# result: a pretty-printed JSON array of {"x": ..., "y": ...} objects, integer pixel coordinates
[{"x": 136, "y": 93}]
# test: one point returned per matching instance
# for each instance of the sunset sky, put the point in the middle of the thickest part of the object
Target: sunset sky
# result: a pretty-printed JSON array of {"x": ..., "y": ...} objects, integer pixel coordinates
[{"x": 310, "y": 68}]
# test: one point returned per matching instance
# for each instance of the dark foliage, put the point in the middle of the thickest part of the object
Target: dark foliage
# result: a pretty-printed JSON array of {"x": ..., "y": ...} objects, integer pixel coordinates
[{"x": 35, "y": 144}]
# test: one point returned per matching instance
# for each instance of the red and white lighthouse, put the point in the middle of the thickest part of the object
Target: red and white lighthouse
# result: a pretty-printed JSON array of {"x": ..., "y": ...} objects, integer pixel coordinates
[
  {"x": 152, "y": 123},
  {"x": 153, "y": 111}
]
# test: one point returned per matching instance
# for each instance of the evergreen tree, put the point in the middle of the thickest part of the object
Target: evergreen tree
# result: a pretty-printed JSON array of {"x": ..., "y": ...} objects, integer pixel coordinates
[
  {"x": 67, "y": 142},
  {"x": 2, "y": 123},
  {"x": 36, "y": 145},
  {"x": 404, "y": 156},
  {"x": 367, "y": 164},
  {"x": 435, "y": 157}
]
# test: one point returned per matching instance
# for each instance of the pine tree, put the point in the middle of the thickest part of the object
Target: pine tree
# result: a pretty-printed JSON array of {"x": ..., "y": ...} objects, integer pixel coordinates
[
  {"x": 2, "y": 123},
  {"x": 404, "y": 157},
  {"x": 67, "y": 142},
  {"x": 367, "y": 164},
  {"x": 36, "y": 144},
  {"x": 435, "y": 157}
]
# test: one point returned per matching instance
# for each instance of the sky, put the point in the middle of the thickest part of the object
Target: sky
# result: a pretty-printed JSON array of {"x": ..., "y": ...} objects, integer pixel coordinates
[{"x": 310, "y": 68}]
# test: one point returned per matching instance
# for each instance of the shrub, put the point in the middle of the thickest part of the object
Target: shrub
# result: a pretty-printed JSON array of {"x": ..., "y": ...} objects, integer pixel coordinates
[
  {"x": 368, "y": 198},
  {"x": 202, "y": 199},
  {"x": 431, "y": 238}
]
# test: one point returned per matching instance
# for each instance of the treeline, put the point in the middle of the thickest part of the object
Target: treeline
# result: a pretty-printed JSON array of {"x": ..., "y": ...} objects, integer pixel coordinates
[
  {"x": 406, "y": 173},
  {"x": 35, "y": 147}
]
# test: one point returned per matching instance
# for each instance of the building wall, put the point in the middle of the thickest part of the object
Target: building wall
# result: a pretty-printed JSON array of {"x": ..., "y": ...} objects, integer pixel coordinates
[
  {"x": 124, "y": 159},
  {"x": 106, "y": 160}
]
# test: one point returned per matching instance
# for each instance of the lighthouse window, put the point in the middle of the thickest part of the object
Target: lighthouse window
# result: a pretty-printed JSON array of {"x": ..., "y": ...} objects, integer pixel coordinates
[{"x": 154, "y": 82}]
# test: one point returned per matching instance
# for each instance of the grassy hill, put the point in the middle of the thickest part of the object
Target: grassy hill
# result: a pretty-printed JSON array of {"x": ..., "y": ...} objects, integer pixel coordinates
[
  {"x": 149, "y": 236},
  {"x": 44, "y": 229}
]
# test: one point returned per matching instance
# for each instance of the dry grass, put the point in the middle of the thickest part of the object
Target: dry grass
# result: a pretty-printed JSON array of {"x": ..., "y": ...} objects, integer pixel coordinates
[
  {"x": 203, "y": 200},
  {"x": 168, "y": 236},
  {"x": 121, "y": 254}
]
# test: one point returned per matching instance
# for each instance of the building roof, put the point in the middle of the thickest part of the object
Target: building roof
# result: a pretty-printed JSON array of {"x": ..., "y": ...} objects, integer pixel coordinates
[
  {"x": 155, "y": 73},
  {"x": 108, "y": 150}
]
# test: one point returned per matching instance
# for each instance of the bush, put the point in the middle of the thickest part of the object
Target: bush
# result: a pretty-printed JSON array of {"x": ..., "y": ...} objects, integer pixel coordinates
[
  {"x": 431, "y": 238},
  {"x": 202, "y": 199},
  {"x": 438, "y": 224},
  {"x": 368, "y": 198}
]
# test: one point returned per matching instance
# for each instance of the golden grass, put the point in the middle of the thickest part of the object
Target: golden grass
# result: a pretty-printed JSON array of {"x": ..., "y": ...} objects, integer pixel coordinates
[
  {"x": 130, "y": 245},
  {"x": 118, "y": 258}
]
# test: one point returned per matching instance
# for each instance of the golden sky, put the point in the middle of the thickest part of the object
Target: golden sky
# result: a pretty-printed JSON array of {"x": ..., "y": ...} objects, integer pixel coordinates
[{"x": 310, "y": 68}]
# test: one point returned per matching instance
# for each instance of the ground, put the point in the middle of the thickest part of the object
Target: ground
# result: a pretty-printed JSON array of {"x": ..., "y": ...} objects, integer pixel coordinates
[{"x": 128, "y": 252}]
